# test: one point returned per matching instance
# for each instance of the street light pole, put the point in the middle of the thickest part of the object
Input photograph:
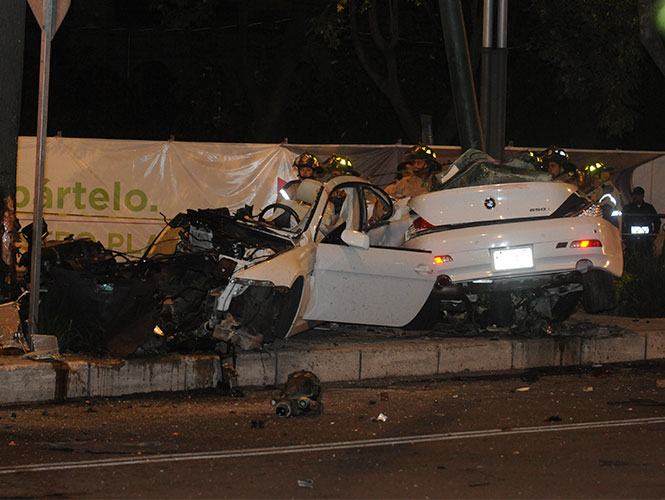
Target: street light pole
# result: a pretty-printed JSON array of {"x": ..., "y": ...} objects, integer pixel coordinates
[{"x": 49, "y": 14}]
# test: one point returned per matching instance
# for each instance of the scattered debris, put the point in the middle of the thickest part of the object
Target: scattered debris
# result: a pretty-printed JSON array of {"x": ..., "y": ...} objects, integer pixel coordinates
[
  {"x": 660, "y": 383},
  {"x": 238, "y": 336},
  {"x": 587, "y": 389},
  {"x": 381, "y": 417},
  {"x": 553, "y": 418},
  {"x": 306, "y": 483},
  {"x": 258, "y": 424},
  {"x": 301, "y": 394},
  {"x": 10, "y": 327},
  {"x": 522, "y": 389},
  {"x": 385, "y": 396}
]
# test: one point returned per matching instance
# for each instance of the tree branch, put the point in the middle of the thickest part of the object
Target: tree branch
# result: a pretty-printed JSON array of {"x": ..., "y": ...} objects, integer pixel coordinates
[
  {"x": 649, "y": 36},
  {"x": 374, "y": 28},
  {"x": 360, "y": 51},
  {"x": 394, "y": 23}
]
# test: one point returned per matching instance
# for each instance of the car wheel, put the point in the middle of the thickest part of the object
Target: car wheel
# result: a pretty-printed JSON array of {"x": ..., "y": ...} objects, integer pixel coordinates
[
  {"x": 427, "y": 317},
  {"x": 565, "y": 305},
  {"x": 289, "y": 310},
  {"x": 599, "y": 292}
]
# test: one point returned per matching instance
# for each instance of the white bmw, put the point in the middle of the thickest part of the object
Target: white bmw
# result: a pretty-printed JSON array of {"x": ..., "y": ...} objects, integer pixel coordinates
[{"x": 507, "y": 252}]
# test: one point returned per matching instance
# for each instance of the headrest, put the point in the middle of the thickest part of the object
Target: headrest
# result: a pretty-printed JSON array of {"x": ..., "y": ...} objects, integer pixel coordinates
[{"x": 308, "y": 190}]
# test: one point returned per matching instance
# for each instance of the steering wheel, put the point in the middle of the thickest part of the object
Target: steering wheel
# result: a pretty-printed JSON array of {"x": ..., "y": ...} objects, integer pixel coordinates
[{"x": 286, "y": 208}]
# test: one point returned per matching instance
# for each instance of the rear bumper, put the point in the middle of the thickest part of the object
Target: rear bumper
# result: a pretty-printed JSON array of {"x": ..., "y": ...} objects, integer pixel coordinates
[{"x": 471, "y": 248}]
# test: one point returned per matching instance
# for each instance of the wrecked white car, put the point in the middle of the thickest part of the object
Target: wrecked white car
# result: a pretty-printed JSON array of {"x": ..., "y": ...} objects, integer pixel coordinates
[
  {"x": 512, "y": 245},
  {"x": 492, "y": 245},
  {"x": 301, "y": 262}
]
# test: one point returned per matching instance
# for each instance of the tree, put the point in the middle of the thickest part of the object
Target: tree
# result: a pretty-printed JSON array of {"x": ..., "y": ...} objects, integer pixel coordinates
[
  {"x": 594, "y": 52},
  {"x": 651, "y": 39},
  {"x": 12, "y": 19},
  {"x": 400, "y": 46}
]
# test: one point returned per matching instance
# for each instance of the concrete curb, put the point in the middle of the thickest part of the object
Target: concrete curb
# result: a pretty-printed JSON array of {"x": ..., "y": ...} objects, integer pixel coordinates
[{"x": 333, "y": 359}]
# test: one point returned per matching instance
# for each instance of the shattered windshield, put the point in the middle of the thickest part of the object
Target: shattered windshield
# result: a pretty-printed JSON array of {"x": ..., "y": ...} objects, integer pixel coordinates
[{"x": 476, "y": 168}]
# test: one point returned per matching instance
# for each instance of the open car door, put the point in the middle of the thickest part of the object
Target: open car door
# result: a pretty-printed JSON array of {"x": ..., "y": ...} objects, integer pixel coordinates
[{"x": 373, "y": 286}]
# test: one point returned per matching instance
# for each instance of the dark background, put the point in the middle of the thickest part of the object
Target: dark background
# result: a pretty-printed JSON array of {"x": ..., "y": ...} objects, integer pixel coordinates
[{"x": 263, "y": 71}]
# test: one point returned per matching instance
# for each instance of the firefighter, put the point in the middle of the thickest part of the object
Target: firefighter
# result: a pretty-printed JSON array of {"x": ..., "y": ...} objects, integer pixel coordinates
[
  {"x": 420, "y": 166},
  {"x": 307, "y": 166},
  {"x": 602, "y": 191},
  {"x": 557, "y": 164}
]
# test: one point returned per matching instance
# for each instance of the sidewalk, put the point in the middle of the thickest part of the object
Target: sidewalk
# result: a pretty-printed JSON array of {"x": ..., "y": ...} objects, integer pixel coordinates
[{"x": 336, "y": 354}]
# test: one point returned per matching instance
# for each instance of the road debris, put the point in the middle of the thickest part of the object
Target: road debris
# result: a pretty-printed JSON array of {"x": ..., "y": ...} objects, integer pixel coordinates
[
  {"x": 523, "y": 389},
  {"x": 381, "y": 417},
  {"x": 306, "y": 483},
  {"x": 301, "y": 394}
]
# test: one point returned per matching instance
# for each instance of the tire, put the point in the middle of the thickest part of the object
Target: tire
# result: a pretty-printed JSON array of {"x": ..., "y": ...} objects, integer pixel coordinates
[
  {"x": 599, "y": 292},
  {"x": 427, "y": 317}
]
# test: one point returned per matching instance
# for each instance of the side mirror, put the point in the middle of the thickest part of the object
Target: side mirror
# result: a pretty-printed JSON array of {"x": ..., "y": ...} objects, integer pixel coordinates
[{"x": 355, "y": 239}]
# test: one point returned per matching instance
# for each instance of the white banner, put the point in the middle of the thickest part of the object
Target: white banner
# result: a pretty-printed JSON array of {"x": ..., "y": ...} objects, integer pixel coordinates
[{"x": 115, "y": 191}]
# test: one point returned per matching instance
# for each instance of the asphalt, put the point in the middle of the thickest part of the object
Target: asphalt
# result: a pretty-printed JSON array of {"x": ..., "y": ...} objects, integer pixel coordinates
[{"x": 335, "y": 353}]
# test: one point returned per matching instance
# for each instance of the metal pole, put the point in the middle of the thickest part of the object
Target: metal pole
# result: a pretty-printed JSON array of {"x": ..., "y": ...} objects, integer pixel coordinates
[
  {"x": 502, "y": 24},
  {"x": 485, "y": 69},
  {"x": 501, "y": 77},
  {"x": 494, "y": 77},
  {"x": 38, "y": 210}
]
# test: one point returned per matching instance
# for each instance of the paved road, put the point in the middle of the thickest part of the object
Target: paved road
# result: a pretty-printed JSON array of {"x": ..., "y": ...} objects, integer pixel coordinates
[{"x": 585, "y": 434}]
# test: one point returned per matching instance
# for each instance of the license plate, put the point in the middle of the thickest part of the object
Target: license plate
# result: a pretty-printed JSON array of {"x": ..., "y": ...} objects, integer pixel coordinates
[
  {"x": 639, "y": 229},
  {"x": 512, "y": 258}
]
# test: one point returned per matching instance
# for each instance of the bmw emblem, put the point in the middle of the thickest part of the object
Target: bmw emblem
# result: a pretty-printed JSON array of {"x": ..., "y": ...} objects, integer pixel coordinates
[{"x": 490, "y": 203}]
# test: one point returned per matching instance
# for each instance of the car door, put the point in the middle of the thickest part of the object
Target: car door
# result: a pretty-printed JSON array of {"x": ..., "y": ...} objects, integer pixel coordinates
[{"x": 375, "y": 285}]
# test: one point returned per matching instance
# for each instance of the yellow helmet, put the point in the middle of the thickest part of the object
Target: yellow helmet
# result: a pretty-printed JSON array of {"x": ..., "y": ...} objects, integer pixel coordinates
[{"x": 340, "y": 165}]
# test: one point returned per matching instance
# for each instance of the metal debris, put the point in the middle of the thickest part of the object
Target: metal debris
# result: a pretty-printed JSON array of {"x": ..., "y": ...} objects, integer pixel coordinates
[
  {"x": 301, "y": 394},
  {"x": 306, "y": 483}
]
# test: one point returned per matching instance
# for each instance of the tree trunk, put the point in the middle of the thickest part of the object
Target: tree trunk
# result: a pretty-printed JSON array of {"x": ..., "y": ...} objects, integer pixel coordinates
[
  {"x": 388, "y": 84},
  {"x": 12, "y": 20}
]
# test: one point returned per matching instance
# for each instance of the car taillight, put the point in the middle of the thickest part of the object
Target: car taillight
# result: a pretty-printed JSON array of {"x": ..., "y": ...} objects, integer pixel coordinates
[
  {"x": 421, "y": 223},
  {"x": 442, "y": 259},
  {"x": 585, "y": 244},
  {"x": 417, "y": 226}
]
